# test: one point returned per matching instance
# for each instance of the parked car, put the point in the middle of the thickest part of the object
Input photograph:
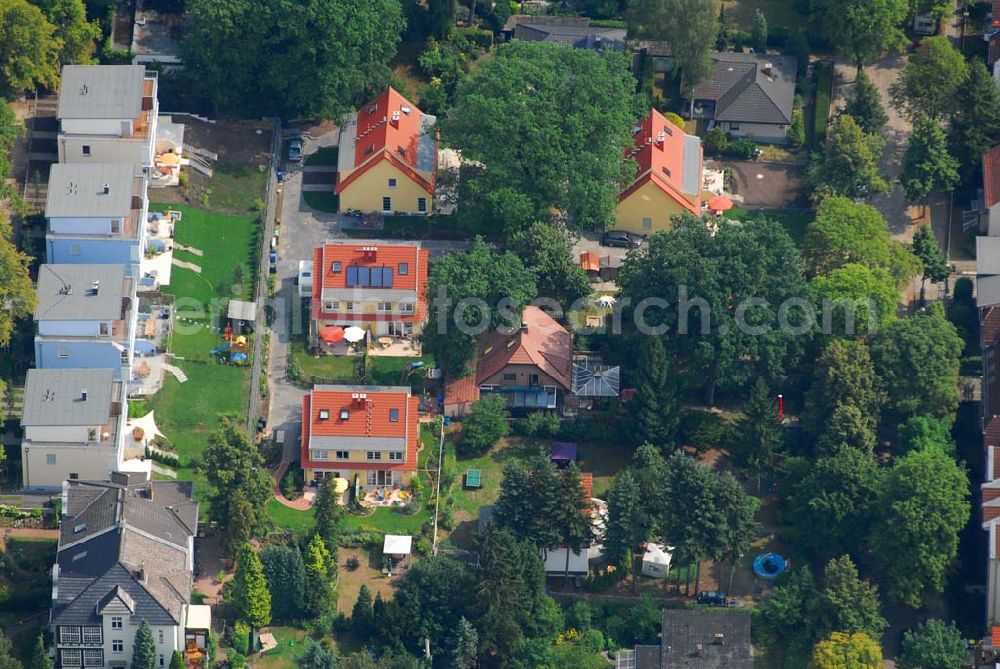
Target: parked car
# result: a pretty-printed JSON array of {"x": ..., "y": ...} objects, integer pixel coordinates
[
  {"x": 715, "y": 598},
  {"x": 273, "y": 258},
  {"x": 295, "y": 150},
  {"x": 622, "y": 239}
]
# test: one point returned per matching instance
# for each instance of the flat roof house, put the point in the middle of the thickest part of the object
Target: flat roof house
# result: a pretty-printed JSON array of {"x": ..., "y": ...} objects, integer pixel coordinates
[
  {"x": 749, "y": 95},
  {"x": 380, "y": 288},
  {"x": 696, "y": 639},
  {"x": 74, "y": 428},
  {"x": 96, "y": 214},
  {"x": 86, "y": 318},
  {"x": 531, "y": 367},
  {"x": 388, "y": 157},
  {"x": 368, "y": 435},
  {"x": 668, "y": 180},
  {"x": 567, "y": 30},
  {"x": 126, "y": 555}
]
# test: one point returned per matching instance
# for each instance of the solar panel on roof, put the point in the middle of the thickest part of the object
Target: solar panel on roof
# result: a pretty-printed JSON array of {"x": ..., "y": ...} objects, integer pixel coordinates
[
  {"x": 376, "y": 277},
  {"x": 364, "y": 276},
  {"x": 387, "y": 277},
  {"x": 352, "y": 276}
]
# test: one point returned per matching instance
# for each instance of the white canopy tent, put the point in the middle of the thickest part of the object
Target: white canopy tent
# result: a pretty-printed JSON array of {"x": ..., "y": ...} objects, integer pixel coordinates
[{"x": 656, "y": 561}]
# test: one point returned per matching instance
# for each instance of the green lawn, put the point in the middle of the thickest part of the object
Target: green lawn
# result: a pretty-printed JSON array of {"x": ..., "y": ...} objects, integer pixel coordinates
[
  {"x": 794, "y": 221},
  {"x": 455, "y": 226},
  {"x": 291, "y": 641},
  {"x": 188, "y": 412},
  {"x": 322, "y": 200},
  {"x": 385, "y": 370},
  {"x": 236, "y": 187},
  {"x": 780, "y": 14},
  {"x": 327, "y": 156},
  {"x": 290, "y": 519}
]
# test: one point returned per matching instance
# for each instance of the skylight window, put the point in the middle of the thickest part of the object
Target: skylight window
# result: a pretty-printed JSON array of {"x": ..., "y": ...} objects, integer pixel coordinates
[
  {"x": 335, "y": 266},
  {"x": 394, "y": 415},
  {"x": 344, "y": 414},
  {"x": 324, "y": 414}
]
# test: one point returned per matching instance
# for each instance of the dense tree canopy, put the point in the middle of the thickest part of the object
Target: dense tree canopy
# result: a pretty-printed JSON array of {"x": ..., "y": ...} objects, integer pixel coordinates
[
  {"x": 286, "y": 576},
  {"x": 655, "y": 409},
  {"x": 932, "y": 80},
  {"x": 847, "y": 651},
  {"x": 849, "y": 164},
  {"x": 248, "y": 591},
  {"x": 926, "y": 432},
  {"x": 847, "y": 603},
  {"x": 857, "y": 300},
  {"x": 550, "y": 126},
  {"x": 759, "y": 435},
  {"x": 844, "y": 374},
  {"x": 927, "y": 165},
  {"x": 734, "y": 271},
  {"x": 29, "y": 49},
  {"x": 76, "y": 35},
  {"x": 548, "y": 251},
  {"x": 934, "y": 644},
  {"x": 316, "y": 57},
  {"x": 477, "y": 274},
  {"x": 485, "y": 426},
  {"x": 919, "y": 514},
  {"x": 232, "y": 462},
  {"x": 17, "y": 292},
  {"x": 975, "y": 125},
  {"x": 862, "y": 29},
  {"x": 689, "y": 26},
  {"x": 918, "y": 358},
  {"x": 864, "y": 103}
]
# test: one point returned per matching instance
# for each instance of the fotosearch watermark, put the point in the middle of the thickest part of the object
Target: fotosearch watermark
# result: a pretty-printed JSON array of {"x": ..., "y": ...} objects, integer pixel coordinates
[{"x": 686, "y": 314}]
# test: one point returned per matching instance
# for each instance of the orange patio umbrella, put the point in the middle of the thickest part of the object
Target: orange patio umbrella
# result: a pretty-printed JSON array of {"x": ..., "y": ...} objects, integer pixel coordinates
[
  {"x": 720, "y": 203},
  {"x": 331, "y": 334}
]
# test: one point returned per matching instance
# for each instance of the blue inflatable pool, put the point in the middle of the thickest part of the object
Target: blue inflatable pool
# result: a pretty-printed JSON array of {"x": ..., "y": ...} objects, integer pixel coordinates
[{"x": 769, "y": 566}]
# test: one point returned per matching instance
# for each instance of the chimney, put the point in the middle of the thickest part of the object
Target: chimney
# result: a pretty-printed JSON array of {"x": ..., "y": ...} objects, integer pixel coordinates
[
  {"x": 83, "y": 394},
  {"x": 524, "y": 326},
  {"x": 95, "y": 288},
  {"x": 768, "y": 68},
  {"x": 395, "y": 119},
  {"x": 660, "y": 139},
  {"x": 106, "y": 188}
]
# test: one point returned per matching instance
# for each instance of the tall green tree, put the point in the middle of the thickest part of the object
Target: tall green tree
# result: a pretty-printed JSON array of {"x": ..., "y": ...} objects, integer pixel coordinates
[
  {"x": 286, "y": 580},
  {"x": 847, "y": 603},
  {"x": 931, "y": 81},
  {"x": 317, "y": 57},
  {"x": 849, "y": 164},
  {"x": 849, "y": 232},
  {"x": 317, "y": 655},
  {"x": 864, "y": 103},
  {"x": 934, "y": 644},
  {"x": 432, "y": 597},
  {"x": 571, "y": 112},
  {"x": 690, "y": 26},
  {"x": 177, "y": 660},
  {"x": 655, "y": 409},
  {"x": 920, "y": 512},
  {"x": 231, "y": 462},
  {"x": 623, "y": 529},
  {"x": 975, "y": 124},
  {"x": 759, "y": 434},
  {"x": 29, "y": 49},
  {"x": 787, "y": 626},
  {"x": 928, "y": 167},
  {"x": 455, "y": 281},
  {"x": 242, "y": 520},
  {"x": 529, "y": 501},
  {"x": 329, "y": 517},
  {"x": 143, "y": 648},
  {"x": 855, "y": 301},
  {"x": 848, "y": 425},
  {"x": 918, "y": 359},
  {"x": 250, "y": 596},
  {"x": 572, "y": 519},
  {"x": 716, "y": 286},
  {"x": 926, "y": 432},
  {"x": 926, "y": 249},
  {"x": 862, "y": 29},
  {"x": 504, "y": 600},
  {"x": 362, "y": 618},
  {"x": 832, "y": 505},
  {"x": 76, "y": 35},
  {"x": 758, "y": 35},
  {"x": 844, "y": 374},
  {"x": 318, "y": 597},
  {"x": 463, "y": 645},
  {"x": 40, "y": 655},
  {"x": 486, "y": 425},
  {"x": 547, "y": 250},
  {"x": 847, "y": 651}
]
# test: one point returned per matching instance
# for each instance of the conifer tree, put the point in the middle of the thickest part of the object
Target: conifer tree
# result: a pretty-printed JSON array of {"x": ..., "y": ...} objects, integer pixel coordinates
[{"x": 250, "y": 595}]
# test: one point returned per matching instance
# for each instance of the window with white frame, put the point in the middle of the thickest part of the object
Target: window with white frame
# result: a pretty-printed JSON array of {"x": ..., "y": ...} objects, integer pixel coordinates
[
  {"x": 116, "y": 622},
  {"x": 71, "y": 658},
  {"x": 349, "y": 306},
  {"x": 116, "y": 226},
  {"x": 93, "y": 657},
  {"x": 50, "y": 458},
  {"x": 320, "y": 455},
  {"x": 387, "y": 204},
  {"x": 161, "y": 661},
  {"x": 342, "y": 455},
  {"x": 406, "y": 307},
  {"x": 385, "y": 306},
  {"x": 117, "y": 646},
  {"x": 396, "y": 456},
  {"x": 92, "y": 635},
  {"x": 85, "y": 149},
  {"x": 374, "y": 455},
  {"x": 331, "y": 306},
  {"x": 68, "y": 634},
  {"x": 159, "y": 636},
  {"x": 422, "y": 205},
  {"x": 392, "y": 183}
]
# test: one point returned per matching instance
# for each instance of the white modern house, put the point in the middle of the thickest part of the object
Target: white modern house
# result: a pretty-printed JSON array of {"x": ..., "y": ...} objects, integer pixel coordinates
[
  {"x": 107, "y": 114},
  {"x": 86, "y": 318},
  {"x": 74, "y": 428},
  {"x": 126, "y": 555},
  {"x": 96, "y": 214}
]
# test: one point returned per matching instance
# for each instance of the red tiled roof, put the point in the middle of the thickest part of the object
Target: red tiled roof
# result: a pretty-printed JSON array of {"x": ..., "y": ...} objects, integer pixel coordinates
[
  {"x": 461, "y": 391},
  {"x": 995, "y": 636},
  {"x": 357, "y": 425},
  {"x": 991, "y": 176},
  {"x": 587, "y": 480},
  {"x": 540, "y": 341},
  {"x": 659, "y": 151},
  {"x": 386, "y": 132}
]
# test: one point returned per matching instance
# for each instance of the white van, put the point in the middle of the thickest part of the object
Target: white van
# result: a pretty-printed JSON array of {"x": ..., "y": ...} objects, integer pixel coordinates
[{"x": 305, "y": 278}]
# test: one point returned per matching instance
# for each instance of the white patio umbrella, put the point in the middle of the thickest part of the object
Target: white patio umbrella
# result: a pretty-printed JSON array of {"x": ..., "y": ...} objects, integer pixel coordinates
[
  {"x": 606, "y": 301},
  {"x": 354, "y": 334}
]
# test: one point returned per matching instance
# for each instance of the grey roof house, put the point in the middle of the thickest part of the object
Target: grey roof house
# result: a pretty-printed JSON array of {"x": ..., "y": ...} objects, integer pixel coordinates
[
  {"x": 567, "y": 30},
  {"x": 749, "y": 95},
  {"x": 126, "y": 555},
  {"x": 695, "y": 639}
]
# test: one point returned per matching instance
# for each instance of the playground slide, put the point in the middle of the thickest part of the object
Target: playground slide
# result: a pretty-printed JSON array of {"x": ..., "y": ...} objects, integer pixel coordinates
[{"x": 220, "y": 349}]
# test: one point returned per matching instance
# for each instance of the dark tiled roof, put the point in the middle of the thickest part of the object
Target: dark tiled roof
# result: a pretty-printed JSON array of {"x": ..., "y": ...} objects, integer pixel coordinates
[
  {"x": 82, "y": 610},
  {"x": 647, "y": 657},
  {"x": 685, "y": 631},
  {"x": 744, "y": 92}
]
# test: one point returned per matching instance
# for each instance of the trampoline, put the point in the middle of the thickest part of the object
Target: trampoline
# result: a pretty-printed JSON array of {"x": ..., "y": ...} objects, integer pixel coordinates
[
  {"x": 473, "y": 478},
  {"x": 769, "y": 566}
]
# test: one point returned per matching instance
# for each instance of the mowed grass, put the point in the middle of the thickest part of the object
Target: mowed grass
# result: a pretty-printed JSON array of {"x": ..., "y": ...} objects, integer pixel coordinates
[
  {"x": 322, "y": 200},
  {"x": 236, "y": 187},
  {"x": 187, "y": 413},
  {"x": 794, "y": 221},
  {"x": 779, "y": 14}
]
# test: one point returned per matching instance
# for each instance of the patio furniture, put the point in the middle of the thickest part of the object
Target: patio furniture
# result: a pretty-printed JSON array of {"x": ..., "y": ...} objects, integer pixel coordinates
[
  {"x": 473, "y": 478},
  {"x": 385, "y": 342}
]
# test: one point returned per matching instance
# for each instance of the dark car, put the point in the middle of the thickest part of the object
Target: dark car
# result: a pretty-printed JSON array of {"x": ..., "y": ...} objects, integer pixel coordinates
[
  {"x": 622, "y": 239},
  {"x": 295, "y": 150}
]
